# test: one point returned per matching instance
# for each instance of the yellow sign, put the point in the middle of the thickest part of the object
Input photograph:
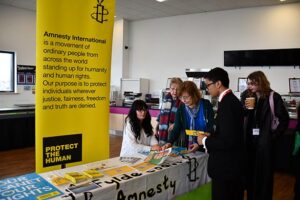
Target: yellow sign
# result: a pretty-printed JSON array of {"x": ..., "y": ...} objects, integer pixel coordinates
[
  {"x": 47, "y": 196},
  {"x": 73, "y": 59},
  {"x": 195, "y": 132}
]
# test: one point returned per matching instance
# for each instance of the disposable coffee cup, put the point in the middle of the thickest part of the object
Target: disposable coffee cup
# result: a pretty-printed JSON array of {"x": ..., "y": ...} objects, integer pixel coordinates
[{"x": 251, "y": 102}]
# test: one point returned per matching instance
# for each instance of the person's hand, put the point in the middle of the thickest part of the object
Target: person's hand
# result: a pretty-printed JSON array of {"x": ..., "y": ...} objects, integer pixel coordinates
[
  {"x": 200, "y": 137},
  {"x": 193, "y": 147},
  {"x": 247, "y": 103},
  {"x": 168, "y": 145},
  {"x": 250, "y": 103},
  {"x": 171, "y": 126},
  {"x": 155, "y": 148}
]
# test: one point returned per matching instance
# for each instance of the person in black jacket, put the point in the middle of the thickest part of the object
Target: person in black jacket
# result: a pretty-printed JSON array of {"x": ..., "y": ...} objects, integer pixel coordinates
[
  {"x": 297, "y": 157},
  {"x": 225, "y": 146},
  {"x": 260, "y": 138}
]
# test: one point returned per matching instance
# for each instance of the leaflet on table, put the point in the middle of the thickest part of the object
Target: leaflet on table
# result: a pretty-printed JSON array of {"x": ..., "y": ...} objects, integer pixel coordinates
[
  {"x": 158, "y": 157},
  {"x": 118, "y": 170},
  {"x": 83, "y": 187},
  {"x": 58, "y": 180},
  {"x": 130, "y": 160},
  {"x": 76, "y": 177},
  {"x": 144, "y": 166},
  {"x": 92, "y": 173},
  {"x": 178, "y": 151},
  {"x": 29, "y": 186}
]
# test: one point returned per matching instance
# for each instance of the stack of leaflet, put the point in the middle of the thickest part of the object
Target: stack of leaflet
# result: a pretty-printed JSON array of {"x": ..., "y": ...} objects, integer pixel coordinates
[{"x": 130, "y": 97}]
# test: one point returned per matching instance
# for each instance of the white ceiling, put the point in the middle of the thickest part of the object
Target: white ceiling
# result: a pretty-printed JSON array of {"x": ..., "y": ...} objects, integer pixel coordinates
[{"x": 133, "y": 10}]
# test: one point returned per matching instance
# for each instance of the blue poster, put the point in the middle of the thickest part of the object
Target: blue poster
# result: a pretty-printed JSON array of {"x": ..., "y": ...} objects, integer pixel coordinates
[{"x": 29, "y": 186}]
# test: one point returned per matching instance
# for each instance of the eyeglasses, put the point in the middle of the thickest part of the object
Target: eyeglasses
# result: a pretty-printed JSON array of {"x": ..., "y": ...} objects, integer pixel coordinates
[
  {"x": 209, "y": 84},
  {"x": 184, "y": 97}
]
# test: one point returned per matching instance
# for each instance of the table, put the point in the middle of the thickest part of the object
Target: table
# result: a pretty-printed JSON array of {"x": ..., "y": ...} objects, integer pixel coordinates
[
  {"x": 17, "y": 125},
  {"x": 174, "y": 177}
]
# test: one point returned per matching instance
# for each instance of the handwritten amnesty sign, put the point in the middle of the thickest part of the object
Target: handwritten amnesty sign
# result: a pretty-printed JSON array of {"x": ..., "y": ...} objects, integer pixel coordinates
[{"x": 73, "y": 59}]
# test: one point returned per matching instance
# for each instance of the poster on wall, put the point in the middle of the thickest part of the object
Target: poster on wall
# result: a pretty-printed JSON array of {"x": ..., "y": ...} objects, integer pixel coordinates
[
  {"x": 26, "y": 74},
  {"x": 242, "y": 84},
  {"x": 294, "y": 84},
  {"x": 73, "y": 59}
]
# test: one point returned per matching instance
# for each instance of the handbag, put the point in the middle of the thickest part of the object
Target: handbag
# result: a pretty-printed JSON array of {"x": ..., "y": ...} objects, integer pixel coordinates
[
  {"x": 274, "y": 119},
  {"x": 297, "y": 143}
]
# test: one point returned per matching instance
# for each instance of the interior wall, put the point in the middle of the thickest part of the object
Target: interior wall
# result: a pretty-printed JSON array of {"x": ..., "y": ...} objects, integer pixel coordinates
[
  {"x": 18, "y": 33},
  {"x": 117, "y": 58},
  {"x": 165, "y": 47},
  {"x": 125, "y": 49}
]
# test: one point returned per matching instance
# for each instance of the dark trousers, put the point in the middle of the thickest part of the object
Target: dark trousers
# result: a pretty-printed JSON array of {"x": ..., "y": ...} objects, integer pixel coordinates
[
  {"x": 259, "y": 172},
  {"x": 297, "y": 184},
  {"x": 227, "y": 189}
]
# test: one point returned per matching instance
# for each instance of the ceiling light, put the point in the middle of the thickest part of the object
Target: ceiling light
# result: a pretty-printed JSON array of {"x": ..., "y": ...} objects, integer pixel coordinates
[
  {"x": 161, "y": 0},
  {"x": 282, "y": 0}
]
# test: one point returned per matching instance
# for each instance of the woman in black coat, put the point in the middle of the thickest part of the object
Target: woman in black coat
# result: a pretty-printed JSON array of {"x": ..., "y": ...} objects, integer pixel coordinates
[
  {"x": 260, "y": 138},
  {"x": 297, "y": 155}
]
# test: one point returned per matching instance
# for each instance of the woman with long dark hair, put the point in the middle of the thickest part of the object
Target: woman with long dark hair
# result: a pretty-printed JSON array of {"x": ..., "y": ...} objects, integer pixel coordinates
[
  {"x": 260, "y": 135},
  {"x": 138, "y": 134}
]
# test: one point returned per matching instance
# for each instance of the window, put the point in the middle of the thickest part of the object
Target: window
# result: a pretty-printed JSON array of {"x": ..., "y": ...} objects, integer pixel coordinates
[{"x": 8, "y": 71}]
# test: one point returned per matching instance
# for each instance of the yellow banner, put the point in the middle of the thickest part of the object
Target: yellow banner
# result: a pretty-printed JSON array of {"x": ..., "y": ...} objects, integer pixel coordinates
[{"x": 73, "y": 59}]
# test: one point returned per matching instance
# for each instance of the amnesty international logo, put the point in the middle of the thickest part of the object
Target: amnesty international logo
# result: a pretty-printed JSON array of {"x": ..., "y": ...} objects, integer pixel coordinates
[{"x": 100, "y": 13}]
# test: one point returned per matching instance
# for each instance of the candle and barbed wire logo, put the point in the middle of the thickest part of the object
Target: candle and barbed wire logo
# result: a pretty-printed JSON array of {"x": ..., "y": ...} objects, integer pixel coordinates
[{"x": 100, "y": 13}]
